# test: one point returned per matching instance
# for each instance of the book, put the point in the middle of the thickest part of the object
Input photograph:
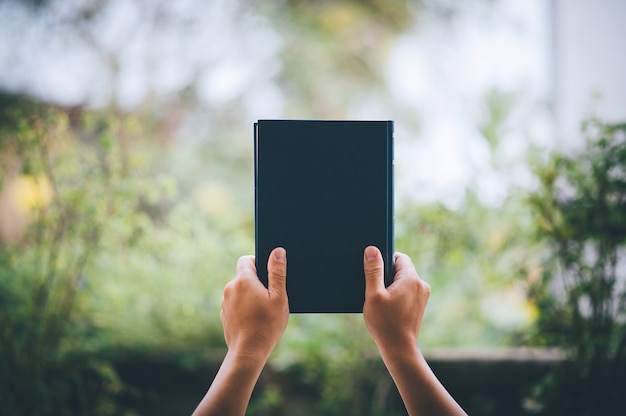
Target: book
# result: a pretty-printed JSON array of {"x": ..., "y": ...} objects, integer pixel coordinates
[{"x": 324, "y": 192}]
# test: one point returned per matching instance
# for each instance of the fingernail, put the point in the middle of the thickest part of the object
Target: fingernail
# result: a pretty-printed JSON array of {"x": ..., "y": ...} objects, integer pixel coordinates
[
  {"x": 370, "y": 253},
  {"x": 280, "y": 255}
]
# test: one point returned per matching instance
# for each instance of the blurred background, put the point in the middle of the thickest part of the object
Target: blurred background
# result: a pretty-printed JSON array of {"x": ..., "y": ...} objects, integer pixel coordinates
[{"x": 126, "y": 196}]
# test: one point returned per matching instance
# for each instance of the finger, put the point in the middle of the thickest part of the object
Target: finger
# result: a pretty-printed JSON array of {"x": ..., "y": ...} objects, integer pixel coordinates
[
  {"x": 404, "y": 266},
  {"x": 277, "y": 271},
  {"x": 373, "y": 265},
  {"x": 246, "y": 266}
]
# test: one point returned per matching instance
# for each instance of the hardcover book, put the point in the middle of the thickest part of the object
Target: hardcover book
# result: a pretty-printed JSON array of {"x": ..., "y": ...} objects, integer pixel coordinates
[{"x": 324, "y": 192}]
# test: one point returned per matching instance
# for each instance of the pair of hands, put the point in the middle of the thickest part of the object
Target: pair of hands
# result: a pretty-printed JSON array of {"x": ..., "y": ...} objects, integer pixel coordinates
[{"x": 255, "y": 317}]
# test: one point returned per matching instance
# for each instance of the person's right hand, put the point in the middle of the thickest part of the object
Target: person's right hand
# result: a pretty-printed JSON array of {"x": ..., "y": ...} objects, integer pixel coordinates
[
  {"x": 255, "y": 317},
  {"x": 393, "y": 315}
]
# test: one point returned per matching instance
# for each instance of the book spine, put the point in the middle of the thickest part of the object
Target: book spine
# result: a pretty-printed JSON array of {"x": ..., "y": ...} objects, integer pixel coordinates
[
  {"x": 390, "y": 264},
  {"x": 256, "y": 184}
]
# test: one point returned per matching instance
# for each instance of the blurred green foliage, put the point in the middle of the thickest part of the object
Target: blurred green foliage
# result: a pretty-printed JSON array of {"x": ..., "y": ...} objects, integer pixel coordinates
[
  {"x": 471, "y": 258},
  {"x": 336, "y": 43},
  {"x": 62, "y": 197},
  {"x": 105, "y": 257},
  {"x": 580, "y": 211}
]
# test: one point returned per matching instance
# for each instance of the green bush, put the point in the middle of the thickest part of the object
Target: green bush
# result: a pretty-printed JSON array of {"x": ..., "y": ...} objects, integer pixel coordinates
[
  {"x": 580, "y": 211},
  {"x": 107, "y": 258},
  {"x": 54, "y": 188}
]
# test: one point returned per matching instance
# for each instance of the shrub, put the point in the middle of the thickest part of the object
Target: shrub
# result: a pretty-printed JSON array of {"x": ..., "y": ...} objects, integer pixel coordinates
[
  {"x": 580, "y": 211},
  {"x": 58, "y": 194}
]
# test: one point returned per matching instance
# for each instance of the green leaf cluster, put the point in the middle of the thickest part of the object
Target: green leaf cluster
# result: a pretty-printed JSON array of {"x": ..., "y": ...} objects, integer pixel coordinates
[{"x": 59, "y": 193}]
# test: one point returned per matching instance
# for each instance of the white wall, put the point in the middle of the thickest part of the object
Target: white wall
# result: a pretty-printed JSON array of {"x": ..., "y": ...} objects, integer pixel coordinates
[{"x": 589, "y": 64}]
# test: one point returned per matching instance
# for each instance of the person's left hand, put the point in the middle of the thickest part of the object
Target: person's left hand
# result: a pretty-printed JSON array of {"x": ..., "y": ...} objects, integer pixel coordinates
[{"x": 255, "y": 317}]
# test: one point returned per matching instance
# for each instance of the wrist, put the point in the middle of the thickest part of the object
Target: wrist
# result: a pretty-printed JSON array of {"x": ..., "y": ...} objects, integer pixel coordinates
[
  {"x": 251, "y": 352},
  {"x": 245, "y": 361},
  {"x": 399, "y": 352}
]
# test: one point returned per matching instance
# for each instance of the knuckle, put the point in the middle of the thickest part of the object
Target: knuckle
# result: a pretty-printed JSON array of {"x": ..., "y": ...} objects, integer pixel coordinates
[
  {"x": 232, "y": 286},
  {"x": 373, "y": 269},
  {"x": 376, "y": 297},
  {"x": 280, "y": 271},
  {"x": 423, "y": 288}
]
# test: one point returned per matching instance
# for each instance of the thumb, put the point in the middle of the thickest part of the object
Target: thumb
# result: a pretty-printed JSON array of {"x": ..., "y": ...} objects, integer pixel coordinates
[
  {"x": 277, "y": 271},
  {"x": 373, "y": 266}
]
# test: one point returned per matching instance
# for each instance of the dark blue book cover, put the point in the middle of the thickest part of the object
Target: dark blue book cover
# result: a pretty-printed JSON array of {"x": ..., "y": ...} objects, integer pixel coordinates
[{"x": 324, "y": 192}]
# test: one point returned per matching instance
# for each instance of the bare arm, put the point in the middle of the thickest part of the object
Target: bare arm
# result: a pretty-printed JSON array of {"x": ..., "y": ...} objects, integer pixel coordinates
[
  {"x": 393, "y": 317},
  {"x": 254, "y": 319}
]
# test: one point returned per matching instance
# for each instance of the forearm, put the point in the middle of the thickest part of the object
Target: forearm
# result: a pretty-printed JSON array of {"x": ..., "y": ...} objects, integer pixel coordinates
[
  {"x": 420, "y": 389},
  {"x": 232, "y": 387}
]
